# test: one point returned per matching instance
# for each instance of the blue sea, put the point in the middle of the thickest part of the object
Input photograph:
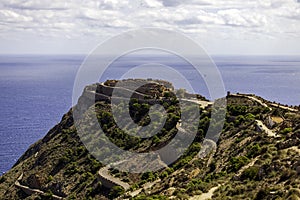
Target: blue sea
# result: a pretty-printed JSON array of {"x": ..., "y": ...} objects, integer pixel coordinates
[{"x": 37, "y": 90}]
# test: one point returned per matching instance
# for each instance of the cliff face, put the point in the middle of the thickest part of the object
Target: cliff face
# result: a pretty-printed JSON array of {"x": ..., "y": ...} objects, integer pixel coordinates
[{"x": 257, "y": 155}]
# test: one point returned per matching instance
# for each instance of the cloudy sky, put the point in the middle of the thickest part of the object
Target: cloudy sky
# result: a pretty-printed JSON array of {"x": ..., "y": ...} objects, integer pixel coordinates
[{"x": 220, "y": 26}]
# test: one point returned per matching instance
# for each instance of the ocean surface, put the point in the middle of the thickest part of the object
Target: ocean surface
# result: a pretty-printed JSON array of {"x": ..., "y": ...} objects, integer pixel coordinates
[{"x": 37, "y": 90}]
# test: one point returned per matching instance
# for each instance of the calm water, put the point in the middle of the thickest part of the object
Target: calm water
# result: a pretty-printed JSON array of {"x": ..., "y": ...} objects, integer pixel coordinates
[{"x": 37, "y": 90}]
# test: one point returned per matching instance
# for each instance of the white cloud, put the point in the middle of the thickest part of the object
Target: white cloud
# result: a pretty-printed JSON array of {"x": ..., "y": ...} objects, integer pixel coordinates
[
  {"x": 235, "y": 17},
  {"x": 153, "y": 4},
  {"x": 83, "y": 19}
]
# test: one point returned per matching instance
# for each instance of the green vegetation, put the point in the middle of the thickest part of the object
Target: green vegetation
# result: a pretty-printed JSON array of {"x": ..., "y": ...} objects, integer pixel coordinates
[
  {"x": 250, "y": 173},
  {"x": 116, "y": 191},
  {"x": 154, "y": 197},
  {"x": 237, "y": 162},
  {"x": 254, "y": 150},
  {"x": 247, "y": 164},
  {"x": 286, "y": 130}
]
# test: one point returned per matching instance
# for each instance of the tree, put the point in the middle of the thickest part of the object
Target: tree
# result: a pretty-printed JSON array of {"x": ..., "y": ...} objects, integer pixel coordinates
[{"x": 116, "y": 191}]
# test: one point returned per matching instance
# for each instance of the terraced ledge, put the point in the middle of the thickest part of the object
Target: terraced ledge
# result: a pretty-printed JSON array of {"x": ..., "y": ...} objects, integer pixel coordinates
[{"x": 30, "y": 191}]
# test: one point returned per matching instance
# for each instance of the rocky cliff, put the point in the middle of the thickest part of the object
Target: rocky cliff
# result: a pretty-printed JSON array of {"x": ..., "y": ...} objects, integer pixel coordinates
[{"x": 257, "y": 155}]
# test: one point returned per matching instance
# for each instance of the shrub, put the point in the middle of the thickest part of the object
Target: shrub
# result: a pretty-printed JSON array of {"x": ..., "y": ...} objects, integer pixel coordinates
[
  {"x": 163, "y": 175},
  {"x": 250, "y": 173},
  {"x": 286, "y": 130},
  {"x": 155, "y": 139},
  {"x": 261, "y": 194},
  {"x": 170, "y": 170},
  {"x": 2, "y": 179},
  {"x": 237, "y": 109},
  {"x": 249, "y": 117},
  {"x": 48, "y": 194},
  {"x": 148, "y": 176},
  {"x": 50, "y": 178},
  {"x": 116, "y": 191},
  {"x": 254, "y": 151},
  {"x": 197, "y": 184},
  {"x": 63, "y": 160},
  {"x": 134, "y": 187},
  {"x": 238, "y": 162},
  {"x": 182, "y": 196}
]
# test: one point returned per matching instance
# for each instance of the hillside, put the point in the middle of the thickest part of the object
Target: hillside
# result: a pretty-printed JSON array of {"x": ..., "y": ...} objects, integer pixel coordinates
[{"x": 257, "y": 155}]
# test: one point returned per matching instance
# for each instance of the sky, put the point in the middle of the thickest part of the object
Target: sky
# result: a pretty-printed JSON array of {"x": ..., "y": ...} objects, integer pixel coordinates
[{"x": 221, "y": 27}]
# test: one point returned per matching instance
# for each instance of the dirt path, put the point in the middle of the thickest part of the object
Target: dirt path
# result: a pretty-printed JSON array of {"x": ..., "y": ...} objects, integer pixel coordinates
[
  {"x": 252, "y": 98},
  {"x": 266, "y": 129},
  {"x": 104, "y": 173},
  {"x": 250, "y": 164},
  {"x": 259, "y": 101},
  {"x": 30, "y": 191},
  {"x": 203, "y": 104},
  {"x": 205, "y": 196},
  {"x": 144, "y": 187},
  {"x": 275, "y": 105},
  {"x": 284, "y": 107},
  {"x": 111, "y": 180}
]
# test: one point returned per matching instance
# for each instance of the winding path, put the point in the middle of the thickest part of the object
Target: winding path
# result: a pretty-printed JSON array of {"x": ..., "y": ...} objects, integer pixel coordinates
[
  {"x": 252, "y": 98},
  {"x": 30, "y": 191},
  {"x": 109, "y": 180},
  {"x": 203, "y": 104},
  {"x": 275, "y": 105},
  {"x": 284, "y": 107}
]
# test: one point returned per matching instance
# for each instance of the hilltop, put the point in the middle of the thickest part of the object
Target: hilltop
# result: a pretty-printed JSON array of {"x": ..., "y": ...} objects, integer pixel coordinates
[{"x": 256, "y": 156}]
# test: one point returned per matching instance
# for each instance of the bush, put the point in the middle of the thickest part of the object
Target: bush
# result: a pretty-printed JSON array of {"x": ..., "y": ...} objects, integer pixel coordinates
[
  {"x": 163, "y": 175},
  {"x": 238, "y": 162},
  {"x": 148, "y": 176},
  {"x": 250, "y": 173},
  {"x": 236, "y": 110},
  {"x": 63, "y": 160},
  {"x": 286, "y": 130},
  {"x": 2, "y": 179},
  {"x": 262, "y": 193},
  {"x": 250, "y": 117},
  {"x": 116, "y": 191},
  {"x": 48, "y": 194},
  {"x": 170, "y": 170},
  {"x": 253, "y": 151},
  {"x": 73, "y": 168},
  {"x": 197, "y": 184},
  {"x": 155, "y": 139},
  {"x": 50, "y": 178}
]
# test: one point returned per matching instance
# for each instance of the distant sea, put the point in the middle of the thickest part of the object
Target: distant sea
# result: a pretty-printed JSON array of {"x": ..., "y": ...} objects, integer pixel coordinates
[{"x": 37, "y": 90}]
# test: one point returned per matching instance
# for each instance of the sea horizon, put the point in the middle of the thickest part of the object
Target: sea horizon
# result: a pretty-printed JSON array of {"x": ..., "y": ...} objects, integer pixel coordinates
[{"x": 37, "y": 90}]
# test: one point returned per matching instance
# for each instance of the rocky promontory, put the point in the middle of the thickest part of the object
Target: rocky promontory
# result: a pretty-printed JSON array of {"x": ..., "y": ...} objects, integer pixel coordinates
[{"x": 257, "y": 155}]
